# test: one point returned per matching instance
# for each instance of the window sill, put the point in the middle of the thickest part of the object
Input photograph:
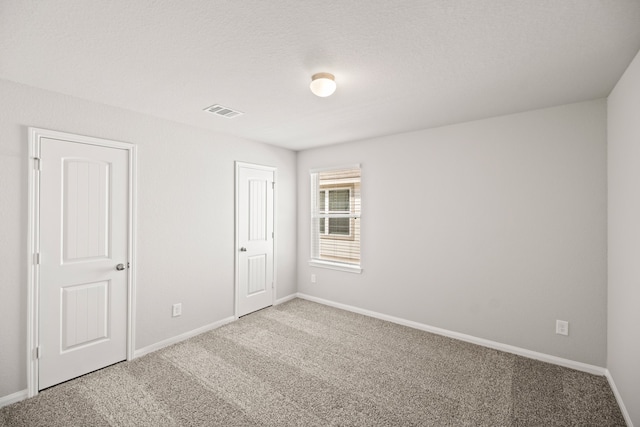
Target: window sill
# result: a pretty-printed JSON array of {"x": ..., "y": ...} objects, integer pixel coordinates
[{"x": 340, "y": 266}]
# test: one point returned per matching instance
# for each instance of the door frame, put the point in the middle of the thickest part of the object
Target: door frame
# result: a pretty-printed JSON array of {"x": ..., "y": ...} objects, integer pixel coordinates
[
  {"x": 273, "y": 169},
  {"x": 33, "y": 241}
]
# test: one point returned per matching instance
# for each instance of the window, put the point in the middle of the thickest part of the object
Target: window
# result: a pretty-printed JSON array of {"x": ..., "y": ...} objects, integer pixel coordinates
[{"x": 335, "y": 218}]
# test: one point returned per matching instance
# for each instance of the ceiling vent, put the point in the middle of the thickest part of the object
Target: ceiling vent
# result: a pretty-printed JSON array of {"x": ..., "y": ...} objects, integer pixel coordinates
[{"x": 221, "y": 110}]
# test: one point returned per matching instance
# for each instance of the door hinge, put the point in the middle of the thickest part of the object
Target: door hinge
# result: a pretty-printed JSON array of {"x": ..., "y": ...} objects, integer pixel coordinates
[
  {"x": 38, "y": 352},
  {"x": 273, "y": 286},
  {"x": 273, "y": 185},
  {"x": 272, "y": 235},
  {"x": 36, "y": 163},
  {"x": 36, "y": 258}
]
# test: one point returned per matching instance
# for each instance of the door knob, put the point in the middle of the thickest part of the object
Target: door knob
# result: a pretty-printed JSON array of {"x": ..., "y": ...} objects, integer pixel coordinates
[
  {"x": 120, "y": 267},
  {"x": 243, "y": 249}
]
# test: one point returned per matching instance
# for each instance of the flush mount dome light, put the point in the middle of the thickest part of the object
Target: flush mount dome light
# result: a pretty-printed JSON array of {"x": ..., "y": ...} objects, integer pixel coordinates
[{"x": 323, "y": 84}]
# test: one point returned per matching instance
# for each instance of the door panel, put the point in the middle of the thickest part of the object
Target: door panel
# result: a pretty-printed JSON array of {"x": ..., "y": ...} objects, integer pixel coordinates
[
  {"x": 255, "y": 238},
  {"x": 83, "y": 229},
  {"x": 256, "y": 276},
  {"x": 257, "y": 209},
  {"x": 84, "y": 314},
  {"x": 85, "y": 209}
]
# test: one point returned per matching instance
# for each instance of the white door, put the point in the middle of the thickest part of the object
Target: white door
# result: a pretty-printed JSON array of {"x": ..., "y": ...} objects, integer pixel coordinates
[
  {"x": 255, "y": 237},
  {"x": 83, "y": 276}
]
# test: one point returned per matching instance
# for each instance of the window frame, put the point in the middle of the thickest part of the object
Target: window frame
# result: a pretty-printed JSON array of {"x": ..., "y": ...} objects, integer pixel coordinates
[{"x": 316, "y": 216}]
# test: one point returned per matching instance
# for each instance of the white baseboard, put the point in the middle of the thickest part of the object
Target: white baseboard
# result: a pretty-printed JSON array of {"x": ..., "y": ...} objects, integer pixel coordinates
[
  {"x": 14, "y": 397},
  {"x": 592, "y": 369},
  {"x": 182, "y": 337},
  {"x": 285, "y": 299},
  {"x": 616, "y": 393},
  {"x": 23, "y": 394}
]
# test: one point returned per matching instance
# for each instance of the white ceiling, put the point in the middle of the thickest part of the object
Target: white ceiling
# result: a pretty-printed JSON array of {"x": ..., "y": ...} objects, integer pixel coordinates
[{"x": 399, "y": 65}]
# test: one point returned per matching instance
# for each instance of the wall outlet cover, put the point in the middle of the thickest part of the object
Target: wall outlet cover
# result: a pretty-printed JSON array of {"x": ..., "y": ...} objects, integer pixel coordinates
[
  {"x": 176, "y": 310},
  {"x": 562, "y": 327}
]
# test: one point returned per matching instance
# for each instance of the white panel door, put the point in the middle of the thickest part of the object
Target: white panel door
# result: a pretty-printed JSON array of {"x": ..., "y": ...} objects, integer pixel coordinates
[
  {"x": 255, "y": 187},
  {"x": 82, "y": 319}
]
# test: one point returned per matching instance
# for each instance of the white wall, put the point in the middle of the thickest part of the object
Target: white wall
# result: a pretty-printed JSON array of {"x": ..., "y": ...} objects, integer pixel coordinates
[
  {"x": 185, "y": 216},
  {"x": 623, "y": 351},
  {"x": 493, "y": 228}
]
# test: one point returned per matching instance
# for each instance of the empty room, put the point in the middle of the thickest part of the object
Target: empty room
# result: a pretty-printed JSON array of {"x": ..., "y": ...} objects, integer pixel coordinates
[{"x": 279, "y": 213}]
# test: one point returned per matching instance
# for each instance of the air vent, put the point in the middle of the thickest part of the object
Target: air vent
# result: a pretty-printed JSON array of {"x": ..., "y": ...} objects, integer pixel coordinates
[{"x": 221, "y": 110}]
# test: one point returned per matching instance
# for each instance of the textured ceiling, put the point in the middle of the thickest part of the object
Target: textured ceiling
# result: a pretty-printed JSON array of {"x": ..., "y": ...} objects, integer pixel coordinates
[{"x": 399, "y": 65}]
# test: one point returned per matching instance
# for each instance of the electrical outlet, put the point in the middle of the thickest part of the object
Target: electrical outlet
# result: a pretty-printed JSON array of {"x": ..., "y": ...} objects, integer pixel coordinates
[
  {"x": 313, "y": 278},
  {"x": 176, "y": 310},
  {"x": 562, "y": 327}
]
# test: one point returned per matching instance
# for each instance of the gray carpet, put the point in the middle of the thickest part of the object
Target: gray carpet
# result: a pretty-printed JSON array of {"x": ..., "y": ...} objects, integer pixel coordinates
[{"x": 304, "y": 364}]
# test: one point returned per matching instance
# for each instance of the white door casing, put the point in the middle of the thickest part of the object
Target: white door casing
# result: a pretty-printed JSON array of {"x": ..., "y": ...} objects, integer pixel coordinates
[
  {"x": 255, "y": 237},
  {"x": 81, "y": 238}
]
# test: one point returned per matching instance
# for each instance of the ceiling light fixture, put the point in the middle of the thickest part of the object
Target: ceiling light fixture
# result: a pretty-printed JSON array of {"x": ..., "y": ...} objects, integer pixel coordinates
[{"x": 323, "y": 84}]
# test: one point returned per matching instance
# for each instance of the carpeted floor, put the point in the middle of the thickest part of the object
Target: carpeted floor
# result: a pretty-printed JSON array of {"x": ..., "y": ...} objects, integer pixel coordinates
[{"x": 304, "y": 364}]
